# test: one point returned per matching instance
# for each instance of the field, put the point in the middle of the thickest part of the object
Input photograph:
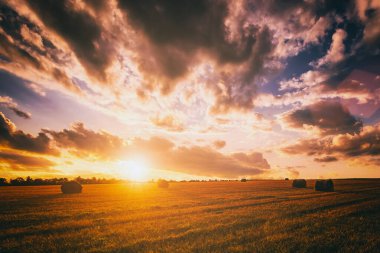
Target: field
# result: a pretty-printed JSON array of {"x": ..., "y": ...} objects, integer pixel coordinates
[{"x": 256, "y": 216}]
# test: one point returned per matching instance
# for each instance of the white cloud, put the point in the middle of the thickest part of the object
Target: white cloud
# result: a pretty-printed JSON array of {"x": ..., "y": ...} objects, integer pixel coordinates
[
  {"x": 307, "y": 79},
  {"x": 336, "y": 52}
]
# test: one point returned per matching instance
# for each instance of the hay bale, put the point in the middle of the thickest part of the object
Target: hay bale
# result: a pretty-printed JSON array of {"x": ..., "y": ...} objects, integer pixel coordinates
[
  {"x": 324, "y": 185},
  {"x": 243, "y": 180},
  {"x": 71, "y": 187},
  {"x": 299, "y": 183},
  {"x": 162, "y": 183},
  {"x": 286, "y": 179}
]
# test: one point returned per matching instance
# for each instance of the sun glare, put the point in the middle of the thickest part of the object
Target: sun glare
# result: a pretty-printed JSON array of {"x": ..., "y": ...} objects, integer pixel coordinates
[{"x": 134, "y": 169}]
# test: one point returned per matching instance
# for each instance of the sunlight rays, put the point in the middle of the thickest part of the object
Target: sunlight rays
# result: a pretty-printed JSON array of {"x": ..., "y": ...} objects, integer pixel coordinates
[{"x": 135, "y": 169}]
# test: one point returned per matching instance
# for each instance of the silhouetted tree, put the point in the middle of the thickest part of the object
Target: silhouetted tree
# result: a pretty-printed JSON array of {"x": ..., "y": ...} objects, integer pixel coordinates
[
  {"x": 28, "y": 181},
  {"x": 18, "y": 181},
  {"x": 3, "y": 181},
  {"x": 39, "y": 181},
  {"x": 57, "y": 181}
]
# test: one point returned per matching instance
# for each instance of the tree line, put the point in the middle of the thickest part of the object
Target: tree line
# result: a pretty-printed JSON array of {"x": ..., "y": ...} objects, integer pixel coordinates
[{"x": 20, "y": 181}]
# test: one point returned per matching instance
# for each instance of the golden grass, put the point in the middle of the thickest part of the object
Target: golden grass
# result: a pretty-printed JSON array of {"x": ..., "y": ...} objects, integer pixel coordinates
[{"x": 257, "y": 216}]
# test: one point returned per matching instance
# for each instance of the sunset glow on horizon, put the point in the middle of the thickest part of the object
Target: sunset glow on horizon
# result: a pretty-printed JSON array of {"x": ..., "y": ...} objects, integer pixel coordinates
[
  {"x": 134, "y": 169},
  {"x": 141, "y": 90}
]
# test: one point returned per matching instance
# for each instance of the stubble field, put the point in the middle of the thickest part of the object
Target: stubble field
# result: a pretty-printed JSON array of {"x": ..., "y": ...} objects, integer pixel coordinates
[{"x": 256, "y": 216}]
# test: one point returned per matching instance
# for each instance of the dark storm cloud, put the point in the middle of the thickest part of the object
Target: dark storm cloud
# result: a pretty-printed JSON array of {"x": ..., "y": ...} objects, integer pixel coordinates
[
  {"x": 97, "y": 5},
  {"x": 297, "y": 15},
  {"x": 309, "y": 147},
  {"x": 349, "y": 42},
  {"x": 237, "y": 91},
  {"x": 319, "y": 8},
  {"x": 360, "y": 20},
  {"x": 84, "y": 142},
  {"x": 20, "y": 162},
  {"x": 286, "y": 11},
  {"x": 20, "y": 113},
  {"x": 329, "y": 117},
  {"x": 14, "y": 53},
  {"x": 17, "y": 139},
  {"x": 365, "y": 58},
  {"x": 177, "y": 31},
  {"x": 180, "y": 31},
  {"x": 375, "y": 161},
  {"x": 246, "y": 42},
  {"x": 326, "y": 159},
  {"x": 187, "y": 26},
  {"x": 13, "y": 24},
  {"x": 22, "y": 43},
  {"x": 8, "y": 102},
  {"x": 369, "y": 13},
  {"x": 62, "y": 77},
  {"x": 80, "y": 30},
  {"x": 366, "y": 143}
]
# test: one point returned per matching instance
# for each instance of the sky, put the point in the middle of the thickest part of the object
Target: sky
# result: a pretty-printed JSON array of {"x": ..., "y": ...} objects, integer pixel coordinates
[{"x": 190, "y": 89}]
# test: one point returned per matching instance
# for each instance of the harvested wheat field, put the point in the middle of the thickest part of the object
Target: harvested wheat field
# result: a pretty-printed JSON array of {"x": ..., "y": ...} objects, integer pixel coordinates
[{"x": 256, "y": 216}]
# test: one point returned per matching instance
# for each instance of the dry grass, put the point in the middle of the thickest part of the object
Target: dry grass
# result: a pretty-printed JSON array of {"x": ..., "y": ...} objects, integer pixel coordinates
[{"x": 257, "y": 216}]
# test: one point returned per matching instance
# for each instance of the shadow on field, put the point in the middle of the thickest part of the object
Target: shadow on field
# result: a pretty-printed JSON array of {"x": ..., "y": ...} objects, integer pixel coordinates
[
  {"x": 49, "y": 197},
  {"x": 48, "y": 231},
  {"x": 373, "y": 211},
  {"x": 191, "y": 236},
  {"x": 333, "y": 206},
  {"x": 369, "y": 191},
  {"x": 279, "y": 200}
]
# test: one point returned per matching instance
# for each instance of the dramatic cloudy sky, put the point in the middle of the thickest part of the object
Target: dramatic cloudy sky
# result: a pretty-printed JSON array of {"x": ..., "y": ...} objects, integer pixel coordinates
[{"x": 190, "y": 89}]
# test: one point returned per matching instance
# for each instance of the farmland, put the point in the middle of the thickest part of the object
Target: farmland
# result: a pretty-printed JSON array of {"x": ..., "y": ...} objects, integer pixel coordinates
[{"x": 256, "y": 216}]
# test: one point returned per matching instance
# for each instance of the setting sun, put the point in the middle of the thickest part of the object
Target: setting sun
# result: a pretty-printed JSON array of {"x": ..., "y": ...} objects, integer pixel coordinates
[{"x": 134, "y": 169}]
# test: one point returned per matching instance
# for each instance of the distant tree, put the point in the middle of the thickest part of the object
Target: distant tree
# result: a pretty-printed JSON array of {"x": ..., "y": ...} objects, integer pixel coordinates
[
  {"x": 29, "y": 181},
  {"x": 39, "y": 181},
  {"x": 3, "y": 181},
  {"x": 94, "y": 180},
  {"x": 79, "y": 179},
  {"x": 58, "y": 181},
  {"x": 18, "y": 181}
]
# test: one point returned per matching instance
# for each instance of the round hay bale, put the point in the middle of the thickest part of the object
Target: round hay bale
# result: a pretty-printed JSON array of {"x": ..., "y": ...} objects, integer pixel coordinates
[
  {"x": 299, "y": 183},
  {"x": 318, "y": 185},
  {"x": 286, "y": 179},
  {"x": 162, "y": 183},
  {"x": 243, "y": 180},
  {"x": 324, "y": 185},
  {"x": 329, "y": 185},
  {"x": 71, "y": 187}
]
